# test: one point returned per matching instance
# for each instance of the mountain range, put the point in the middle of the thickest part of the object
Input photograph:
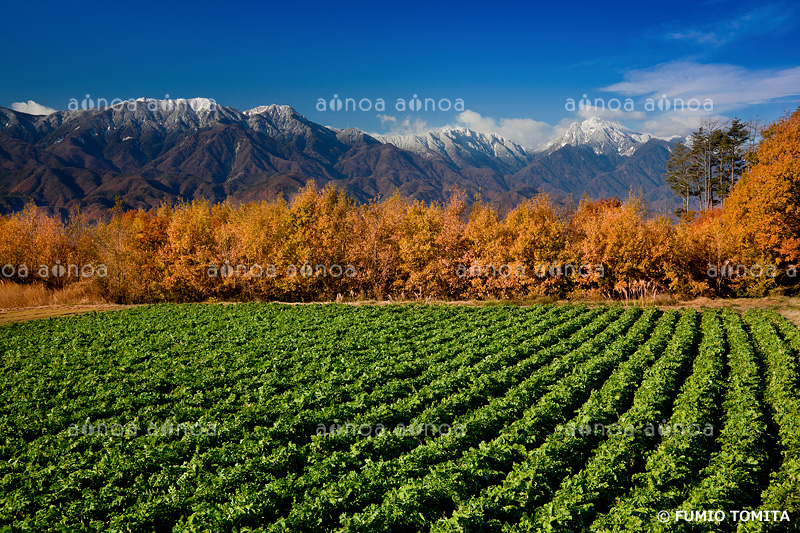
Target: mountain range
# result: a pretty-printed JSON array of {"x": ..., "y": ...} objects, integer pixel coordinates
[{"x": 145, "y": 151}]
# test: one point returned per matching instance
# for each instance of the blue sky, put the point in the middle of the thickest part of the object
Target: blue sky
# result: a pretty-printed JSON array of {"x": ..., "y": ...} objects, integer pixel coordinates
[{"x": 514, "y": 66}]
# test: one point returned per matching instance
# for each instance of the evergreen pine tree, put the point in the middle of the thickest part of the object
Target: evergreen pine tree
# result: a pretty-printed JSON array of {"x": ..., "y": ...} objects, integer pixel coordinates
[{"x": 680, "y": 177}]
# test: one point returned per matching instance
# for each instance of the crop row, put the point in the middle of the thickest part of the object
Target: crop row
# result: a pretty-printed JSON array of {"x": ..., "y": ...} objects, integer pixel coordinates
[{"x": 561, "y": 418}]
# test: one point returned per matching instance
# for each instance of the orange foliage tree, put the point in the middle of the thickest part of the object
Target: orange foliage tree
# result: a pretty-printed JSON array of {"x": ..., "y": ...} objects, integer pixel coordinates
[
  {"x": 321, "y": 245},
  {"x": 763, "y": 210},
  {"x": 627, "y": 251}
]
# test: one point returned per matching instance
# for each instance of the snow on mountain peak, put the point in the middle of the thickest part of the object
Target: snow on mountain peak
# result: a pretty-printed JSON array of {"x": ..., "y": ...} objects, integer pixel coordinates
[
  {"x": 600, "y": 135},
  {"x": 198, "y": 105},
  {"x": 461, "y": 144},
  {"x": 284, "y": 111},
  {"x": 201, "y": 104}
]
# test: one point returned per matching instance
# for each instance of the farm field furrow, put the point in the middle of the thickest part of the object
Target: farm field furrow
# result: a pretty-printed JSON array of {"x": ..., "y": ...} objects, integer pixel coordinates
[{"x": 282, "y": 418}]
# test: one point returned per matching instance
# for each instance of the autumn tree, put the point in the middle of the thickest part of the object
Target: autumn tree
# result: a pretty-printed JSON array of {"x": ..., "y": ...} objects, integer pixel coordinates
[
  {"x": 633, "y": 248},
  {"x": 702, "y": 252},
  {"x": 764, "y": 207},
  {"x": 419, "y": 249},
  {"x": 536, "y": 235},
  {"x": 375, "y": 252},
  {"x": 489, "y": 249}
]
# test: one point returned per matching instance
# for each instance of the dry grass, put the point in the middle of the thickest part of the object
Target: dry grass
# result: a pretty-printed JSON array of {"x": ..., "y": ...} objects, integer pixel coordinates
[
  {"x": 787, "y": 306},
  {"x": 19, "y": 303},
  {"x": 49, "y": 311},
  {"x": 14, "y": 296},
  {"x": 28, "y": 302}
]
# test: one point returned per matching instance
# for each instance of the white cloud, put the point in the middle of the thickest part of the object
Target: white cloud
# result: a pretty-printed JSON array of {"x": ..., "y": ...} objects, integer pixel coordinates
[
  {"x": 727, "y": 86},
  {"x": 32, "y": 108},
  {"x": 610, "y": 114},
  {"x": 668, "y": 125},
  {"x": 407, "y": 126},
  {"x": 387, "y": 119},
  {"x": 524, "y": 131},
  {"x": 677, "y": 96}
]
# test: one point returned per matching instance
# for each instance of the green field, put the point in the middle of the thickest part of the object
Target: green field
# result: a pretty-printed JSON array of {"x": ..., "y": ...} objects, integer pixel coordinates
[{"x": 267, "y": 417}]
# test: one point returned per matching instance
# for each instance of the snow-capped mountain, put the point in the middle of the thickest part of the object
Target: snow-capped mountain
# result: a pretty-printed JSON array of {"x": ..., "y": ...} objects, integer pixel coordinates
[
  {"x": 135, "y": 117},
  {"x": 282, "y": 121},
  {"x": 600, "y": 135},
  {"x": 144, "y": 151},
  {"x": 166, "y": 116},
  {"x": 464, "y": 147}
]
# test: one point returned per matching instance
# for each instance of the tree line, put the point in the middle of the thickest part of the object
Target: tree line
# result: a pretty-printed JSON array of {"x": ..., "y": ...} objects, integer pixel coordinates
[
  {"x": 708, "y": 164},
  {"x": 321, "y": 245}
]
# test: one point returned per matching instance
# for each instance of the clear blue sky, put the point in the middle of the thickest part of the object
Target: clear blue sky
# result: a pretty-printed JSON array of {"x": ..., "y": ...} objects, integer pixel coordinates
[{"x": 513, "y": 65}]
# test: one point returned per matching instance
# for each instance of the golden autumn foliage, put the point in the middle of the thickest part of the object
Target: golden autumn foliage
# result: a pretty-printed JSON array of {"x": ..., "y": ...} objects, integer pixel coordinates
[
  {"x": 322, "y": 246},
  {"x": 701, "y": 242},
  {"x": 751, "y": 245},
  {"x": 634, "y": 249},
  {"x": 764, "y": 207}
]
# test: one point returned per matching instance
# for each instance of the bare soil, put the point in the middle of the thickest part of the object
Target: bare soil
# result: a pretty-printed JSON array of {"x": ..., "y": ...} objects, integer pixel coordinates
[
  {"x": 22, "y": 314},
  {"x": 786, "y": 306}
]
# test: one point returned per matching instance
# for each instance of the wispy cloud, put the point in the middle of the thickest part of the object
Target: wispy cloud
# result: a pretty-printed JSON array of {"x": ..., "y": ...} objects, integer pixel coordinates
[
  {"x": 682, "y": 124},
  {"x": 524, "y": 131},
  {"x": 610, "y": 114},
  {"x": 32, "y": 108},
  {"x": 761, "y": 20},
  {"x": 387, "y": 121},
  {"x": 727, "y": 86},
  {"x": 692, "y": 92},
  {"x": 407, "y": 126}
]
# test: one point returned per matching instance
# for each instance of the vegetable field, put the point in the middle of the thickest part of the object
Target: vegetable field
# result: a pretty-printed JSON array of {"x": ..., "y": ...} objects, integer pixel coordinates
[{"x": 267, "y": 417}]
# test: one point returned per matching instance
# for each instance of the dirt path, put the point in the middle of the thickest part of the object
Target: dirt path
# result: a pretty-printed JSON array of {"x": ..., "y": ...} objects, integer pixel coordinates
[
  {"x": 22, "y": 314},
  {"x": 788, "y": 307}
]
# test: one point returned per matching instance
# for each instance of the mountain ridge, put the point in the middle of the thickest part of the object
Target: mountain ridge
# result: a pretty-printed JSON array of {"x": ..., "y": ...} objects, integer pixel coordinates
[
  {"x": 144, "y": 151},
  {"x": 602, "y": 136}
]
